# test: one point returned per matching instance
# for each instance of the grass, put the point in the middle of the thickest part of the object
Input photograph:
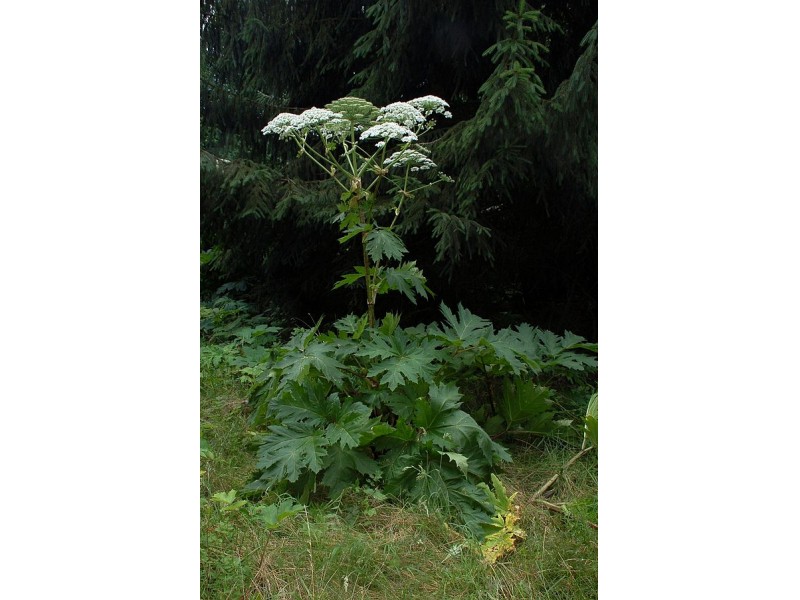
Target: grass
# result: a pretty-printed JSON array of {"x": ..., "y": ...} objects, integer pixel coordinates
[{"x": 360, "y": 547}]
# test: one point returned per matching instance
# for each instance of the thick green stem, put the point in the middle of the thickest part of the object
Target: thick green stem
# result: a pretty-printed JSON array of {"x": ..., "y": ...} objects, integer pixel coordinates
[
  {"x": 369, "y": 282},
  {"x": 358, "y": 195}
]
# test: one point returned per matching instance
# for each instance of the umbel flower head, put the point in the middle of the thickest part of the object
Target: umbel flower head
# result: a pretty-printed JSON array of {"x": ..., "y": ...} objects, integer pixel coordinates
[
  {"x": 402, "y": 113},
  {"x": 429, "y": 105},
  {"x": 417, "y": 160},
  {"x": 280, "y": 124},
  {"x": 286, "y": 124},
  {"x": 391, "y": 131}
]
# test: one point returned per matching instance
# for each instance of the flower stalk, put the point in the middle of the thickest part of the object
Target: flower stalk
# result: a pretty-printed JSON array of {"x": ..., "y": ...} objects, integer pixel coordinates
[{"x": 349, "y": 140}]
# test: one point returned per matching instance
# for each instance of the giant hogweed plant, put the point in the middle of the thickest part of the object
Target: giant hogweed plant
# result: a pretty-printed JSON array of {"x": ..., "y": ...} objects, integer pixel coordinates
[
  {"x": 373, "y": 403},
  {"x": 375, "y": 157},
  {"x": 397, "y": 408}
]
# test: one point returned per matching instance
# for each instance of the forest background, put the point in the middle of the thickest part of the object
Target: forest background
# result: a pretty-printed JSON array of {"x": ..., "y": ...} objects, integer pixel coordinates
[{"x": 514, "y": 238}]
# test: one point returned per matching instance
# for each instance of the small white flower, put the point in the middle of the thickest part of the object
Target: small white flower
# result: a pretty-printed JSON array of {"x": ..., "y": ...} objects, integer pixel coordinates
[
  {"x": 389, "y": 130},
  {"x": 402, "y": 113}
]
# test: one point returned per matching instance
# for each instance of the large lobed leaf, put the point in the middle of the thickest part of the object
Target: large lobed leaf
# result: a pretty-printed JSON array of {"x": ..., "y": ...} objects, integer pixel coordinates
[
  {"x": 297, "y": 364},
  {"x": 345, "y": 421},
  {"x": 526, "y": 405},
  {"x": 406, "y": 279},
  {"x": 384, "y": 243},
  {"x": 450, "y": 428},
  {"x": 351, "y": 423},
  {"x": 344, "y": 467},
  {"x": 288, "y": 451},
  {"x": 405, "y": 359},
  {"x": 465, "y": 329}
]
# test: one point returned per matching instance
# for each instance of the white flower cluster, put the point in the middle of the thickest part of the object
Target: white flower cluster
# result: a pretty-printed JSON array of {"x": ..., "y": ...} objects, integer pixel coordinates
[
  {"x": 286, "y": 124},
  {"x": 402, "y": 113},
  {"x": 280, "y": 124},
  {"x": 389, "y": 130},
  {"x": 397, "y": 121},
  {"x": 419, "y": 161},
  {"x": 431, "y": 104}
]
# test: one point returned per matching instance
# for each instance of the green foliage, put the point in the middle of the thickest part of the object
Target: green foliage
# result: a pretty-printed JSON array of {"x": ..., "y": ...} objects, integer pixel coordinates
[
  {"x": 235, "y": 338},
  {"x": 205, "y": 449},
  {"x": 572, "y": 117},
  {"x": 402, "y": 358},
  {"x": 526, "y": 406},
  {"x": 515, "y": 87},
  {"x": 289, "y": 451},
  {"x": 227, "y": 501},
  {"x": 271, "y": 515},
  {"x": 315, "y": 357},
  {"x": 216, "y": 355},
  {"x": 384, "y": 243},
  {"x": 511, "y": 111},
  {"x": 385, "y": 406},
  {"x": 226, "y": 319},
  {"x": 406, "y": 279}
]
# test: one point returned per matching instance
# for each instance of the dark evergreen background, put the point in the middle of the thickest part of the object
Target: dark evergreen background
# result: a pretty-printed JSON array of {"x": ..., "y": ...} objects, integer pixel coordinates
[{"x": 514, "y": 239}]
